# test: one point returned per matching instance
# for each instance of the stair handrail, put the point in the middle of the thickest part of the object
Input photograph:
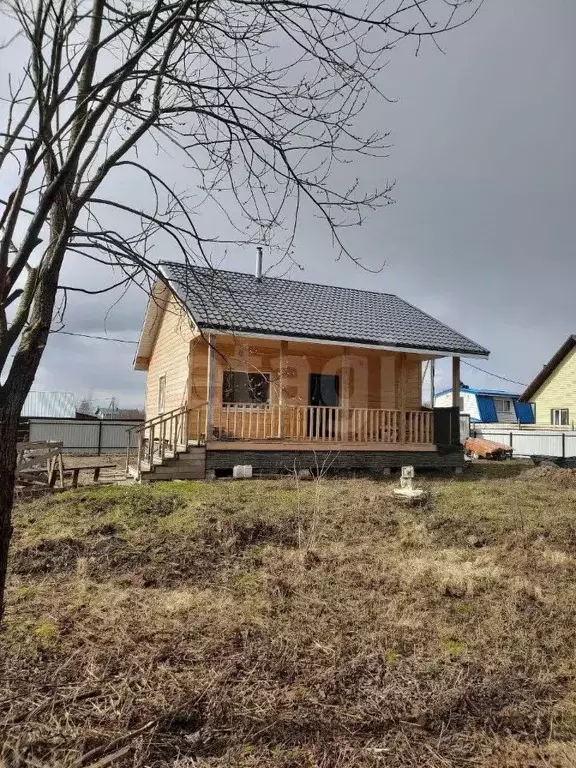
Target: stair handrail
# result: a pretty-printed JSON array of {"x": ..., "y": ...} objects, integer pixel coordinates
[
  {"x": 150, "y": 425},
  {"x": 157, "y": 419}
]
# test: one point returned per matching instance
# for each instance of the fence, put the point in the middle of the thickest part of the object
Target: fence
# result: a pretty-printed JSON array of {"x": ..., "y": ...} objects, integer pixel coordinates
[
  {"x": 89, "y": 437},
  {"x": 532, "y": 442}
]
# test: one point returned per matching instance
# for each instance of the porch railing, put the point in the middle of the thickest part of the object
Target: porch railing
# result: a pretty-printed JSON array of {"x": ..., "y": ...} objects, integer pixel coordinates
[
  {"x": 169, "y": 432},
  {"x": 322, "y": 424}
]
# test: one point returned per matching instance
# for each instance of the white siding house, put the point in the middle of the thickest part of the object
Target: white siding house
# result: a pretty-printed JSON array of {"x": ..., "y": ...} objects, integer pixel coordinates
[{"x": 468, "y": 403}]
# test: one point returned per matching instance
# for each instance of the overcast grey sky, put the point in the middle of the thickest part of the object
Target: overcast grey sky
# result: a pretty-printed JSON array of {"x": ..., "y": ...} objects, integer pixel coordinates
[{"x": 481, "y": 235}]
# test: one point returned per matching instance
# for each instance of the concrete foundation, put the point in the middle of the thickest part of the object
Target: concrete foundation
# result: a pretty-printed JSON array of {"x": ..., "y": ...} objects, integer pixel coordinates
[{"x": 370, "y": 462}]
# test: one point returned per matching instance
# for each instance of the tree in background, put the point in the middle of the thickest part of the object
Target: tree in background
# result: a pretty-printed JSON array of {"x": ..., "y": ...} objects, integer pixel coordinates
[
  {"x": 258, "y": 99},
  {"x": 86, "y": 405}
]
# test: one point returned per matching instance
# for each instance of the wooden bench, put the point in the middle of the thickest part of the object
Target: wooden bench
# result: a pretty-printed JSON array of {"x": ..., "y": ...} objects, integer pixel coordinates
[
  {"x": 38, "y": 458},
  {"x": 95, "y": 468}
]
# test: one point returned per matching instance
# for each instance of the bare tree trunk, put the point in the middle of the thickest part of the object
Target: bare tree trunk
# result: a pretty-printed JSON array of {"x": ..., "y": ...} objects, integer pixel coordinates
[
  {"x": 9, "y": 415},
  {"x": 13, "y": 392}
]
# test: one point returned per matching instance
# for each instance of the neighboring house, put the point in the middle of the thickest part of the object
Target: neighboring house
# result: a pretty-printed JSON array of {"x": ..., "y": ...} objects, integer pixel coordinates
[
  {"x": 489, "y": 406},
  {"x": 57, "y": 405},
  {"x": 280, "y": 374},
  {"x": 553, "y": 391},
  {"x": 124, "y": 414}
]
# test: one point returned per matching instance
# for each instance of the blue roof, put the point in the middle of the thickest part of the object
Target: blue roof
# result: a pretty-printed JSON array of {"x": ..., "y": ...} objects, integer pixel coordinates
[
  {"x": 485, "y": 399},
  {"x": 487, "y": 409},
  {"x": 524, "y": 412},
  {"x": 474, "y": 391}
]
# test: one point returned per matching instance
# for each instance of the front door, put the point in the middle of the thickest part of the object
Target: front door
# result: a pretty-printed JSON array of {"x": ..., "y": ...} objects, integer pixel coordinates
[{"x": 324, "y": 391}]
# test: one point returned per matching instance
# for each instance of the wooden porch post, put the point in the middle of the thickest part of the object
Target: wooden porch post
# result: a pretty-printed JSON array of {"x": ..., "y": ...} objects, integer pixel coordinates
[
  {"x": 455, "y": 429},
  {"x": 345, "y": 401},
  {"x": 402, "y": 374},
  {"x": 210, "y": 388},
  {"x": 283, "y": 347},
  {"x": 186, "y": 427},
  {"x": 456, "y": 382}
]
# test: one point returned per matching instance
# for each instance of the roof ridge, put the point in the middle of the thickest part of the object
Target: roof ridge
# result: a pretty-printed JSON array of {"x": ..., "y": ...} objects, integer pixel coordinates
[
  {"x": 333, "y": 287},
  {"x": 284, "y": 280},
  {"x": 480, "y": 391}
]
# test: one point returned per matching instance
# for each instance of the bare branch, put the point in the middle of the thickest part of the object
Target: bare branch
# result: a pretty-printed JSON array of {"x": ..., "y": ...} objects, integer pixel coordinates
[{"x": 258, "y": 100}]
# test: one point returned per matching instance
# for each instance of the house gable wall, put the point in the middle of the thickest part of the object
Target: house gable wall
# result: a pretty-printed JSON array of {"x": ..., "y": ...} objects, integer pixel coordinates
[
  {"x": 170, "y": 358},
  {"x": 558, "y": 391}
]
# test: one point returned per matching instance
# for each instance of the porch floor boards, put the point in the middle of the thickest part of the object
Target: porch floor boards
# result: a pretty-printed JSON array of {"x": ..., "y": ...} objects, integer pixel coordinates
[{"x": 273, "y": 444}]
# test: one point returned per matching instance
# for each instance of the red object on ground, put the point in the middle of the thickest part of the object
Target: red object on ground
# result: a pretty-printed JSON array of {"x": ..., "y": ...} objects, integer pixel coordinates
[{"x": 486, "y": 449}]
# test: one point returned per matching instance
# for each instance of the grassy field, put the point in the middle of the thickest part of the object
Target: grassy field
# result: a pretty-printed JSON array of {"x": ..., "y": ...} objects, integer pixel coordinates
[{"x": 270, "y": 624}]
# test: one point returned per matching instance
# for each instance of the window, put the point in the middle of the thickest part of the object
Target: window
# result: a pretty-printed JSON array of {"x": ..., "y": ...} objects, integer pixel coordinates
[
  {"x": 161, "y": 393},
  {"x": 559, "y": 417},
  {"x": 247, "y": 388},
  {"x": 462, "y": 404},
  {"x": 503, "y": 405}
]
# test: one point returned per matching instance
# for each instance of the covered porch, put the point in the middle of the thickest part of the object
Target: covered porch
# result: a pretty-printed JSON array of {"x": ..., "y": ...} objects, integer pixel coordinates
[
  {"x": 274, "y": 393},
  {"x": 271, "y": 435}
]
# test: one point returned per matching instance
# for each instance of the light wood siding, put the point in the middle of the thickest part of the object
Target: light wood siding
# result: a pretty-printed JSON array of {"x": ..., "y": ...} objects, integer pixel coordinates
[
  {"x": 373, "y": 374},
  {"x": 198, "y": 371},
  {"x": 558, "y": 391},
  {"x": 170, "y": 358},
  {"x": 413, "y": 383}
]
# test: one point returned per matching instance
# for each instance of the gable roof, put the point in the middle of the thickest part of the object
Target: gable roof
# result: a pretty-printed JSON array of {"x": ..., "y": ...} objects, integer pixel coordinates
[
  {"x": 234, "y": 302},
  {"x": 548, "y": 369},
  {"x": 476, "y": 391}
]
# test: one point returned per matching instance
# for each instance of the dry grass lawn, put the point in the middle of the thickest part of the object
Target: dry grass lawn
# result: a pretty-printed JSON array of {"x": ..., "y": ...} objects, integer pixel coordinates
[{"x": 266, "y": 624}]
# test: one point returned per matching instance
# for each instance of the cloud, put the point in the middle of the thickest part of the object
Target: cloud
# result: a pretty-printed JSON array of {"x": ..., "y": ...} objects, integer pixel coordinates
[{"x": 482, "y": 232}]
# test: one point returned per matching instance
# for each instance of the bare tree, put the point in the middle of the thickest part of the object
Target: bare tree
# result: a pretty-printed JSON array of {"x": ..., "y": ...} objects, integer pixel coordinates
[
  {"x": 258, "y": 99},
  {"x": 86, "y": 404}
]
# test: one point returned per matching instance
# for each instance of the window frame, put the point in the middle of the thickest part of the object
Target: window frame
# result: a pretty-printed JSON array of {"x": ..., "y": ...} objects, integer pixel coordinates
[
  {"x": 161, "y": 403},
  {"x": 507, "y": 401},
  {"x": 266, "y": 377},
  {"x": 560, "y": 412}
]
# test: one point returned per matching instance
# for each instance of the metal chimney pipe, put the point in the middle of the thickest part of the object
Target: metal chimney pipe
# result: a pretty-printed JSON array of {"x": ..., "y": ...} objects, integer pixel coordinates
[{"x": 259, "y": 263}]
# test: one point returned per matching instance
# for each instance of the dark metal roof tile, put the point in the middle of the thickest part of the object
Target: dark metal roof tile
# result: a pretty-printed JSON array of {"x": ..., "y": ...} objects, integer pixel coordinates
[{"x": 237, "y": 302}]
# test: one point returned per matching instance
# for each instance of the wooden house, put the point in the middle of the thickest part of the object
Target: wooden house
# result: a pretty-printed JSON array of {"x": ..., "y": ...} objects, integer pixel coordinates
[
  {"x": 279, "y": 374},
  {"x": 552, "y": 393}
]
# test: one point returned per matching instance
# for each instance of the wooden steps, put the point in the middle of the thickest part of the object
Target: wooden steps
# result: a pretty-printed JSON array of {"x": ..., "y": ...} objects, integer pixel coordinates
[
  {"x": 164, "y": 451},
  {"x": 188, "y": 464}
]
